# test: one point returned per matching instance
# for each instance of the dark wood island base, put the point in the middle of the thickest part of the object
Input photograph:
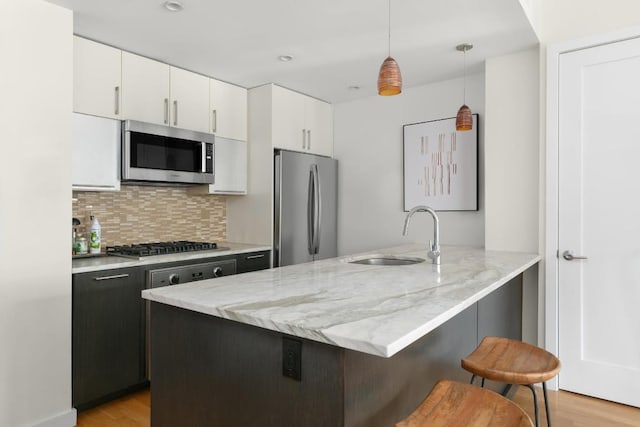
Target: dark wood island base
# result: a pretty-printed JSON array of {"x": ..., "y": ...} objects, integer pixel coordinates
[{"x": 208, "y": 371}]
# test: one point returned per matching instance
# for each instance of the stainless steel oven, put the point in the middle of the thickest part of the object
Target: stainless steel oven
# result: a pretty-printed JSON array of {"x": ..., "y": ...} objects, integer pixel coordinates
[
  {"x": 167, "y": 276},
  {"x": 154, "y": 153}
]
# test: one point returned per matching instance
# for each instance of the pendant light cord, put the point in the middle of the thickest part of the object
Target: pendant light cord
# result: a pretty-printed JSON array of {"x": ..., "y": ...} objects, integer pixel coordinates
[
  {"x": 389, "y": 44},
  {"x": 464, "y": 90}
]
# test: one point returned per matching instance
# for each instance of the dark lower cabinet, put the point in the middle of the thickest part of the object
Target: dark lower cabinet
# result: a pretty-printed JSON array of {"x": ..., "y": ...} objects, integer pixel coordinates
[
  {"x": 108, "y": 335},
  {"x": 253, "y": 261}
]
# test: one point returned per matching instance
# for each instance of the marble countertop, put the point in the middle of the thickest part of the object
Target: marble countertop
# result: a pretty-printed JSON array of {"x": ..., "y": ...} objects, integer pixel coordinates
[
  {"x": 87, "y": 265},
  {"x": 373, "y": 309}
]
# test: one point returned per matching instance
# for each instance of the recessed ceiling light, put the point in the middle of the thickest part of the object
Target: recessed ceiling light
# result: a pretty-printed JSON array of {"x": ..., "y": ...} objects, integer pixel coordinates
[
  {"x": 285, "y": 58},
  {"x": 354, "y": 88},
  {"x": 173, "y": 6}
]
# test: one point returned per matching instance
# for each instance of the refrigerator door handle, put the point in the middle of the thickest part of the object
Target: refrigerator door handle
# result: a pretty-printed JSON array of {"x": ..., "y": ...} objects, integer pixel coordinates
[
  {"x": 317, "y": 205},
  {"x": 310, "y": 212}
]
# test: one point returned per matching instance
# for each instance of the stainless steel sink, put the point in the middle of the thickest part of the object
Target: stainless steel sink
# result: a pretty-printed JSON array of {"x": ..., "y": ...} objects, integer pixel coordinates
[{"x": 388, "y": 260}]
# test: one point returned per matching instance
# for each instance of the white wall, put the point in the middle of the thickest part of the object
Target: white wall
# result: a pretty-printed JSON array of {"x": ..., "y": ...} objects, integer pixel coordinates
[
  {"x": 566, "y": 19},
  {"x": 368, "y": 146},
  {"x": 512, "y": 152},
  {"x": 35, "y": 213}
]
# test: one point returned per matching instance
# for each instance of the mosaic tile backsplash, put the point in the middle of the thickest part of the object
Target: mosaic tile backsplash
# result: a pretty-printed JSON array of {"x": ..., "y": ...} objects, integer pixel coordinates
[{"x": 138, "y": 214}]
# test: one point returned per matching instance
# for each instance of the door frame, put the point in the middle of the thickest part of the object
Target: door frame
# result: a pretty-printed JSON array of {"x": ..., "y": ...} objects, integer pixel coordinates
[{"x": 551, "y": 316}]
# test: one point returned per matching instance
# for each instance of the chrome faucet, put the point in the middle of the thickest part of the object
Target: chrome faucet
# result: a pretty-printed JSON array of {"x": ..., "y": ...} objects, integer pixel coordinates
[{"x": 434, "y": 247}]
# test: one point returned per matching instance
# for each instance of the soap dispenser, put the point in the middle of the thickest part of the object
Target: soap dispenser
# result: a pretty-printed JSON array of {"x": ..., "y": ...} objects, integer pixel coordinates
[{"x": 94, "y": 236}]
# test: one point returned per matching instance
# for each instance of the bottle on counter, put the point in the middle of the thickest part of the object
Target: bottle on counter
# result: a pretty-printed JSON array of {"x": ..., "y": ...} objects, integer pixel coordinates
[
  {"x": 82, "y": 245},
  {"x": 95, "y": 233}
]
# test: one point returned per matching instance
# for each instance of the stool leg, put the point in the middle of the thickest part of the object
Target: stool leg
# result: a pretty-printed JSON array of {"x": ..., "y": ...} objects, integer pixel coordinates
[
  {"x": 482, "y": 384},
  {"x": 546, "y": 404},
  {"x": 506, "y": 389},
  {"x": 535, "y": 404},
  {"x": 473, "y": 377}
]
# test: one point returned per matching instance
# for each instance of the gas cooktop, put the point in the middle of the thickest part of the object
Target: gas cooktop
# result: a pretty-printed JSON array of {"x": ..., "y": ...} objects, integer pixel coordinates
[{"x": 161, "y": 248}]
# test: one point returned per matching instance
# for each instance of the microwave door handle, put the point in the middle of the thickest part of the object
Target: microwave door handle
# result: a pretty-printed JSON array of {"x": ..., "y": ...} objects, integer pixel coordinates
[{"x": 203, "y": 156}]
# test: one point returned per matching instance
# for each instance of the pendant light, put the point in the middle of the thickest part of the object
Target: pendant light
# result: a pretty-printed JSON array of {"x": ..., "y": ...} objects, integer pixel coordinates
[
  {"x": 389, "y": 78},
  {"x": 464, "y": 121}
]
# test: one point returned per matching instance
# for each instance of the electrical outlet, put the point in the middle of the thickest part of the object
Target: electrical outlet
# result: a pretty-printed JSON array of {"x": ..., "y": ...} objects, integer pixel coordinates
[{"x": 292, "y": 358}]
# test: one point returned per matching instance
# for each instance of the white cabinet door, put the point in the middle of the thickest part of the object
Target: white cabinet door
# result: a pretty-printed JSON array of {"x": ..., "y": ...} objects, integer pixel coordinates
[
  {"x": 96, "y": 78},
  {"x": 95, "y": 164},
  {"x": 228, "y": 109},
  {"x": 301, "y": 123},
  {"x": 319, "y": 127},
  {"x": 145, "y": 89},
  {"x": 288, "y": 119},
  {"x": 230, "y": 167},
  {"x": 189, "y": 100}
]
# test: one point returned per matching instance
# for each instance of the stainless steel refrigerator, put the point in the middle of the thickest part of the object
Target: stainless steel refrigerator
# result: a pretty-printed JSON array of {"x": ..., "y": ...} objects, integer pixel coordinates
[{"x": 305, "y": 217}]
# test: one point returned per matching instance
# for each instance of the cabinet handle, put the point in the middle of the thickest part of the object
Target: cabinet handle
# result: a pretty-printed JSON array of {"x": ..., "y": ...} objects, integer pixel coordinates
[
  {"x": 115, "y": 276},
  {"x": 308, "y": 139},
  {"x": 255, "y": 256},
  {"x": 304, "y": 136},
  {"x": 214, "y": 122},
  {"x": 117, "y": 107},
  {"x": 166, "y": 111},
  {"x": 175, "y": 112}
]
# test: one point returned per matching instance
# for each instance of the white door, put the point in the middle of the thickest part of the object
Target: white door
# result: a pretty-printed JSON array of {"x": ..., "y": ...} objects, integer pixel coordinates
[{"x": 599, "y": 218}]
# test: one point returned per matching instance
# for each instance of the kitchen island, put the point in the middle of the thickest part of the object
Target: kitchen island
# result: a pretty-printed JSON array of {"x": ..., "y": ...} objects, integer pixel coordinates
[{"x": 327, "y": 343}]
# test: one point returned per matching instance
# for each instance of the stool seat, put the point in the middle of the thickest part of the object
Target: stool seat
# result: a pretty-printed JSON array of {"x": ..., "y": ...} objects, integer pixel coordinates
[
  {"x": 510, "y": 361},
  {"x": 455, "y": 404}
]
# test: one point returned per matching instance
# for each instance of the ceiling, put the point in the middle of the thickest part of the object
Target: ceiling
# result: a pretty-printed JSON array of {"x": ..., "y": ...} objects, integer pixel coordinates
[{"x": 336, "y": 44}]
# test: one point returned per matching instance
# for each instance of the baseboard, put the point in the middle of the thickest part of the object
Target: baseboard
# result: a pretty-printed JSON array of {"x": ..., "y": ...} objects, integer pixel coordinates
[{"x": 65, "y": 419}]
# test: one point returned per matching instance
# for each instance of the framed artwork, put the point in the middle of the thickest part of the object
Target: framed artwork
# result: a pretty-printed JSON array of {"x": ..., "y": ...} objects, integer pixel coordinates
[{"x": 441, "y": 166}]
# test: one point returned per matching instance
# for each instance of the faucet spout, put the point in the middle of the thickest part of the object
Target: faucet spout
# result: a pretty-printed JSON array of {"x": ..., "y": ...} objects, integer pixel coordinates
[{"x": 434, "y": 246}]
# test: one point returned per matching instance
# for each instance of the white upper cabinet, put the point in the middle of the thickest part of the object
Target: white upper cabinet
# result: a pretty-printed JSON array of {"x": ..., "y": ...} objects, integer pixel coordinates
[
  {"x": 97, "y": 83},
  {"x": 301, "y": 123},
  {"x": 319, "y": 126},
  {"x": 155, "y": 92},
  {"x": 145, "y": 93},
  {"x": 189, "y": 100},
  {"x": 228, "y": 110},
  {"x": 288, "y": 119},
  {"x": 95, "y": 164},
  {"x": 230, "y": 167}
]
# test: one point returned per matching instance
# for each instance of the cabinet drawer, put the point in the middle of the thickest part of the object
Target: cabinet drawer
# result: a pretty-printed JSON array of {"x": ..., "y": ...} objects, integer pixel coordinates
[{"x": 253, "y": 261}]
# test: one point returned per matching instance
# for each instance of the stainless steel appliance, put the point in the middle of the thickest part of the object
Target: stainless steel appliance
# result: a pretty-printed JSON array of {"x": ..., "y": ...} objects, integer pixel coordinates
[
  {"x": 175, "y": 275},
  {"x": 164, "y": 154},
  {"x": 161, "y": 248},
  {"x": 305, "y": 217}
]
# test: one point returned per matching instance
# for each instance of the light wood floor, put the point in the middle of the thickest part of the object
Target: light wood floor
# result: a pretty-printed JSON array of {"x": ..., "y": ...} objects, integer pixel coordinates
[{"x": 567, "y": 410}]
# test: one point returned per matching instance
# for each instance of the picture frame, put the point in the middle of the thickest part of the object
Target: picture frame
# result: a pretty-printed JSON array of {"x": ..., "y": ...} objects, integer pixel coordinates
[{"x": 440, "y": 165}]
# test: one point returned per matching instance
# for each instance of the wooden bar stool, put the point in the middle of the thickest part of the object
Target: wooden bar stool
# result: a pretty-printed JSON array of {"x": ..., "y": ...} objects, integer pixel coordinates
[
  {"x": 513, "y": 362},
  {"x": 456, "y": 404}
]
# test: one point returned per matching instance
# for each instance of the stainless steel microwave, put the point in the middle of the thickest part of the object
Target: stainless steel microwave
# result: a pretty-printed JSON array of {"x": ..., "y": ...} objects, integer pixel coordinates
[{"x": 155, "y": 153}]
